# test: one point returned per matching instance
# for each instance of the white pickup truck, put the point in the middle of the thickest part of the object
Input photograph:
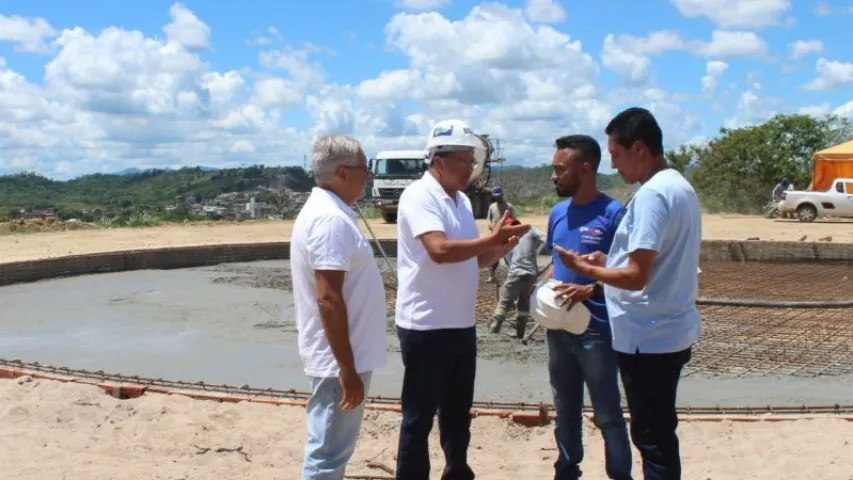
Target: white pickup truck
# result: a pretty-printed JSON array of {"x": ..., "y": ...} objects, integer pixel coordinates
[{"x": 808, "y": 205}]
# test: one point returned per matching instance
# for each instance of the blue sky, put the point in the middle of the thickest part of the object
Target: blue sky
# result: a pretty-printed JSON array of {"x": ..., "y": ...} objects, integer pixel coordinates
[{"x": 97, "y": 86}]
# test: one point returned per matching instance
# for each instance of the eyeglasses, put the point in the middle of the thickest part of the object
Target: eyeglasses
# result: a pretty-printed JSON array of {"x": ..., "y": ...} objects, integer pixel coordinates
[{"x": 463, "y": 160}]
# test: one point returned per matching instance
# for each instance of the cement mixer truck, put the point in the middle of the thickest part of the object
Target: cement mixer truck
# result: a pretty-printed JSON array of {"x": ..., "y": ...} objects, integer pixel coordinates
[{"x": 394, "y": 170}]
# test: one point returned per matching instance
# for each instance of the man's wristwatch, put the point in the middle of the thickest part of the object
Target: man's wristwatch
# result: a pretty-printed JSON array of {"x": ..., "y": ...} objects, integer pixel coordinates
[{"x": 597, "y": 289}]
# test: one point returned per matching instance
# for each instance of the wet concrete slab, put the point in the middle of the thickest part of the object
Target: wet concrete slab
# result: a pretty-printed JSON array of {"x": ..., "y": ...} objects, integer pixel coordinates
[{"x": 233, "y": 324}]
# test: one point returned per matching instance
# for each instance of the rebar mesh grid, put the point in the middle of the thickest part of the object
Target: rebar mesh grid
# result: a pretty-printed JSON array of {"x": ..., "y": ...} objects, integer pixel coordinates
[
  {"x": 776, "y": 281},
  {"x": 736, "y": 341},
  {"x": 750, "y": 341}
]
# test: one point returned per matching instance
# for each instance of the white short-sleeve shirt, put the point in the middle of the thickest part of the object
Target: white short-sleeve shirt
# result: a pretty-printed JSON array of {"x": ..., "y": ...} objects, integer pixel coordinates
[
  {"x": 326, "y": 237},
  {"x": 429, "y": 295}
]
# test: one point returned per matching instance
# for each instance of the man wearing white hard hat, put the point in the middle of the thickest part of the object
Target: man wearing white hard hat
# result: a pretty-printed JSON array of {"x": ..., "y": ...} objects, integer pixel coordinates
[
  {"x": 439, "y": 254},
  {"x": 571, "y": 307}
]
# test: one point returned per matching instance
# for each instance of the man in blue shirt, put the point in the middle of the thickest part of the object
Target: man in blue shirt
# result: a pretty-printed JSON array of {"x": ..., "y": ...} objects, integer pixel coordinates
[
  {"x": 651, "y": 283},
  {"x": 584, "y": 223}
]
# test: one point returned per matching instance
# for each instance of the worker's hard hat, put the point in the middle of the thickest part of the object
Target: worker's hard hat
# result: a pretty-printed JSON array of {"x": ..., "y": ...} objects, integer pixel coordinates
[
  {"x": 573, "y": 318},
  {"x": 451, "y": 136},
  {"x": 497, "y": 191}
]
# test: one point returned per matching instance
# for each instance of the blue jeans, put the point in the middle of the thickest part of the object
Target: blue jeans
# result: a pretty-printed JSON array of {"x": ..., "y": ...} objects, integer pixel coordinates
[
  {"x": 440, "y": 366},
  {"x": 332, "y": 432},
  {"x": 572, "y": 361}
]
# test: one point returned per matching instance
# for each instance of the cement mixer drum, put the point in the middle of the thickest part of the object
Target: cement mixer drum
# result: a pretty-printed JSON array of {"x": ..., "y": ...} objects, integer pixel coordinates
[{"x": 482, "y": 158}]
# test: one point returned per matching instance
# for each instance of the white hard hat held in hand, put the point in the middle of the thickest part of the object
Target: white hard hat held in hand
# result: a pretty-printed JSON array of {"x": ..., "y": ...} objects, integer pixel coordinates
[
  {"x": 546, "y": 311},
  {"x": 452, "y": 135}
]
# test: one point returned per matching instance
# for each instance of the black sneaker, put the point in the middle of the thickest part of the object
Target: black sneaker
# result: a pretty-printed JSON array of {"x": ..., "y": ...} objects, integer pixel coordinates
[
  {"x": 495, "y": 324},
  {"x": 520, "y": 327}
]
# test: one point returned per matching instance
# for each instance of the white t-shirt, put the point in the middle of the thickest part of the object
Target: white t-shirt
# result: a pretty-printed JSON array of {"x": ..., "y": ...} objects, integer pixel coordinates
[
  {"x": 326, "y": 237},
  {"x": 432, "y": 296}
]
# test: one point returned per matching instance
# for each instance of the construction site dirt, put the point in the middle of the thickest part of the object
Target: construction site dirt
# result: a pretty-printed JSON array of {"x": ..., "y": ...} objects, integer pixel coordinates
[{"x": 233, "y": 323}]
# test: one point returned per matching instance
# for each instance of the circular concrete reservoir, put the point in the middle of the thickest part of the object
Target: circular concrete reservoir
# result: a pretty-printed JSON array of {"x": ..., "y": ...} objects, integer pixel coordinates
[{"x": 230, "y": 321}]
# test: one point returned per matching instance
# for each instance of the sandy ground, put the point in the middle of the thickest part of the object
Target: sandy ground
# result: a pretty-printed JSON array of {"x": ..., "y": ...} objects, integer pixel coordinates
[
  {"x": 17, "y": 247},
  {"x": 53, "y": 430}
]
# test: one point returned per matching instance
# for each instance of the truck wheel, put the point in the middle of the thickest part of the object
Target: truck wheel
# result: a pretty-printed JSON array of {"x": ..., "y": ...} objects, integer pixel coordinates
[
  {"x": 806, "y": 213},
  {"x": 389, "y": 217}
]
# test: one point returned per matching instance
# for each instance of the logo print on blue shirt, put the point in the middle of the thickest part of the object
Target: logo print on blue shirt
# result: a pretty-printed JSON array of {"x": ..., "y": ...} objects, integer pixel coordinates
[{"x": 591, "y": 235}]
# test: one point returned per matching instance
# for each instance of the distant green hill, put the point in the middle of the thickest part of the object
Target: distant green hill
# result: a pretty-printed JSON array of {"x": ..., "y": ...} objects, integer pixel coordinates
[
  {"x": 156, "y": 189},
  {"x": 148, "y": 190}
]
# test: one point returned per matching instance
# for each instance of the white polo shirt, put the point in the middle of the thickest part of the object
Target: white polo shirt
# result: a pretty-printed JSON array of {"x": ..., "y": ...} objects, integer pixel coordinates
[
  {"x": 432, "y": 296},
  {"x": 326, "y": 237}
]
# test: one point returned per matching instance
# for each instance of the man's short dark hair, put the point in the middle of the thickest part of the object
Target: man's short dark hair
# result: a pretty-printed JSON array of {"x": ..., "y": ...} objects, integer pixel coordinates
[
  {"x": 636, "y": 124},
  {"x": 587, "y": 147}
]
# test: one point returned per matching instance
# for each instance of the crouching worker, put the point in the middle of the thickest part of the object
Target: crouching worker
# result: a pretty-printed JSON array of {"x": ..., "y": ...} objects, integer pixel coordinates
[{"x": 522, "y": 270}]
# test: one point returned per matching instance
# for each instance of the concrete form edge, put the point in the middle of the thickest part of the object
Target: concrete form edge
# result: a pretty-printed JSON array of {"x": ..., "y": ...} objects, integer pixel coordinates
[
  {"x": 206, "y": 255},
  {"x": 126, "y": 391}
]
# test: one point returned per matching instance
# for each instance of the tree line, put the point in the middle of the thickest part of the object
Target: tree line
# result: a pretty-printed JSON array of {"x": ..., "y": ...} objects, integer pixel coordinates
[{"x": 734, "y": 172}]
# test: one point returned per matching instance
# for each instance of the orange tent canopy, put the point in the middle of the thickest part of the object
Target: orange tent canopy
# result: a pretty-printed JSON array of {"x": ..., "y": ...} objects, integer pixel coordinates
[{"x": 831, "y": 163}]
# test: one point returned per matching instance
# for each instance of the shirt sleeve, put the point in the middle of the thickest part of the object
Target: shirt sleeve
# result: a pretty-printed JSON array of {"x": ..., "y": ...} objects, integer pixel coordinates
[
  {"x": 331, "y": 244},
  {"x": 542, "y": 239},
  {"x": 549, "y": 236},
  {"x": 650, "y": 214},
  {"x": 423, "y": 214}
]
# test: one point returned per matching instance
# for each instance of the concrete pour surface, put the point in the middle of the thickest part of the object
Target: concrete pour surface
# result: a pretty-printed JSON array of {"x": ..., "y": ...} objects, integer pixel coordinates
[{"x": 233, "y": 324}]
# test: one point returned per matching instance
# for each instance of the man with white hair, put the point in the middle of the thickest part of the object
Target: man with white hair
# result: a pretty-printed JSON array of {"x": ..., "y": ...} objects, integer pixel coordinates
[
  {"x": 439, "y": 253},
  {"x": 339, "y": 300}
]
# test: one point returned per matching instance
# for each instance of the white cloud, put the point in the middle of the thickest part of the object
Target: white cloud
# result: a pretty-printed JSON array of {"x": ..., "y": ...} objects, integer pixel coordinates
[
  {"x": 631, "y": 57},
  {"x": 421, "y": 4},
  {"x": 714, "y": 70},
  {"x": 816, "y": 110},
  {"x": 275, "y": 92},
  {"x": 752, "y": 109},
  {"x": 822, "y": 9},
  {"x": 28, "y": 34},
  {"x": 735, "y": 13},
  {"x": 845, "y": 110},
  {"x": 831, "y": 74},
  {"x": 545, "y": 11},
  {"x": 803, "y": 48},
  {"x": 186, "y": 29},
  {"x": 732, "y": 44},
  {"x": 115, "y": 98}
]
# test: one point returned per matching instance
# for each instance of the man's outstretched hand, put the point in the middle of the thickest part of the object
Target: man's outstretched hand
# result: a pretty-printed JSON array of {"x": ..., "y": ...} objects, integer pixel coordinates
[
  {"x": 575, "y": 261},
  {"x": 503, "y": 232}
]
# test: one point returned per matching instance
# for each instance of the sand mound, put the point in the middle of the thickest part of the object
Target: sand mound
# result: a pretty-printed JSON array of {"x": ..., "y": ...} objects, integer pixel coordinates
[{"x": 59, "y": 430}]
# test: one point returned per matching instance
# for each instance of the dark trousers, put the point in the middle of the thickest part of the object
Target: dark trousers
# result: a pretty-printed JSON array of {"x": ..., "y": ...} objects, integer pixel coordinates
[
  {"x": 439, "y": 376},
  {"x": 650, "y": 381}
]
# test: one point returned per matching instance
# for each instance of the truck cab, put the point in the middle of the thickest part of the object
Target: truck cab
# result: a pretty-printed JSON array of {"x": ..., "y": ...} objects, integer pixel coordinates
[
  {"x": 837, "y": 201},
  {"x": 393, "y": 171}
]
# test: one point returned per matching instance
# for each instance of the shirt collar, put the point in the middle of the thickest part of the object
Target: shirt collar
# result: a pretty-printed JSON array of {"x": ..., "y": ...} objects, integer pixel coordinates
[
  {"x": 330, "y": 196},
  {"x": 433, "y": 185}
]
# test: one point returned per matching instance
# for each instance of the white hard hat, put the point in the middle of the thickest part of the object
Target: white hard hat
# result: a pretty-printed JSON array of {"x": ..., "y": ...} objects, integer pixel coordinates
[
  {"x": 545, "y": 310},
  {"x": 450, "y": 135}
]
